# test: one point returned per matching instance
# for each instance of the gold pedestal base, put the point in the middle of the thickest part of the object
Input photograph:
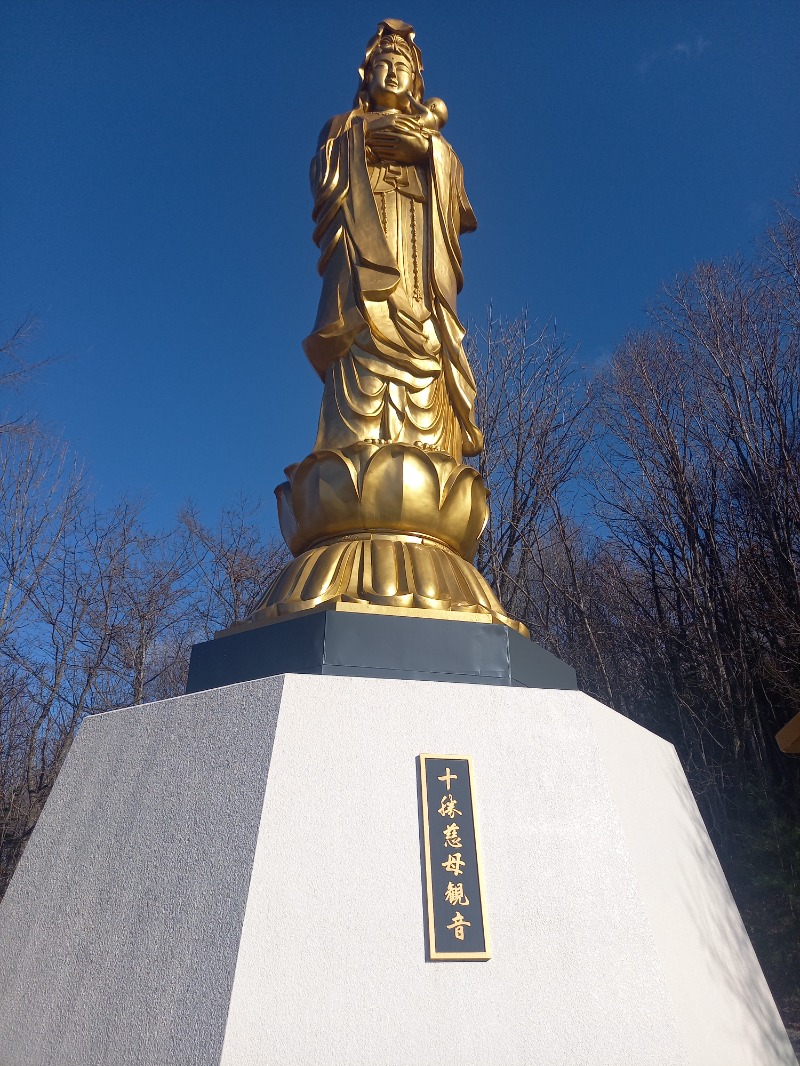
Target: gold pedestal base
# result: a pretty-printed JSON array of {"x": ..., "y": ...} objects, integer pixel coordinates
[{"x": 396, "y": 572}]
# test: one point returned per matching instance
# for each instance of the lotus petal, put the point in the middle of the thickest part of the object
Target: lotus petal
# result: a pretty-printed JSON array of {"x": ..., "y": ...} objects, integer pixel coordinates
[{"x": 393, "y": 488}]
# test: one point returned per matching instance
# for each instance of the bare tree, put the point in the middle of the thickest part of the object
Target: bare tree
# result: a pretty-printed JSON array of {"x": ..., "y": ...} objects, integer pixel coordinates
[
  {"x": 702, "y": 494},
  {"x": 232, "y": 564},
  {"x": 17, "y": 370},
  {"x": 42, "y": 493},
  {"x": 538, "y": 550},
  {"x": 531, "y": 406},
  {"x": 97, "y": 612}
]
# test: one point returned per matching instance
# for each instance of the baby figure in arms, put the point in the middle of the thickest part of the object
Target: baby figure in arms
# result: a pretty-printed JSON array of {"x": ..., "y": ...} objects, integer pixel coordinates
[{"x": 431, "y": 115}]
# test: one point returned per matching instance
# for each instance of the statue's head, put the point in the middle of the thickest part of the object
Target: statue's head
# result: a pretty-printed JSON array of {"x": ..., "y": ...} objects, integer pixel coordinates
[{"x": 392, "y": 67}]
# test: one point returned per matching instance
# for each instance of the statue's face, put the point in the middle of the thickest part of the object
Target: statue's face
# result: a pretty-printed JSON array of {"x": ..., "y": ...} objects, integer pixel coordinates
[{"x": 390, "y": 78}]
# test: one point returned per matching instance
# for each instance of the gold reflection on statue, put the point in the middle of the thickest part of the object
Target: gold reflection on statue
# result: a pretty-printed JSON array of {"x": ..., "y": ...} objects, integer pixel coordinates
[{"x": 383, "y": 513}]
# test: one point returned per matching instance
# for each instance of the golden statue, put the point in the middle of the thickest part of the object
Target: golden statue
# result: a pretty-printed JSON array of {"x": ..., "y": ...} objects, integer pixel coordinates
[
  {"x": 389, "y": 206},
  {"x": 383, "y": 515}
]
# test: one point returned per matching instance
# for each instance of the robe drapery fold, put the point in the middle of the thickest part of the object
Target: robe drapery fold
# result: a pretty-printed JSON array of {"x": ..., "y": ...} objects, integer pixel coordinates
[{"x": 387, "y": 340}]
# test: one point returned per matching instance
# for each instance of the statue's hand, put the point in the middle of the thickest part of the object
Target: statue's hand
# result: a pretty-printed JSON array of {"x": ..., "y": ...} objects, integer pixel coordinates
[{"x": 397, "y": 139}]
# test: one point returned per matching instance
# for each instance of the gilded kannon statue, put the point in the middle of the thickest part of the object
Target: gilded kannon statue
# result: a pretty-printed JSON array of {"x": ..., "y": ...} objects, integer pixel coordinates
[
  {"x": 383, "y": 514},
  {"x": 389, "y": 208}
]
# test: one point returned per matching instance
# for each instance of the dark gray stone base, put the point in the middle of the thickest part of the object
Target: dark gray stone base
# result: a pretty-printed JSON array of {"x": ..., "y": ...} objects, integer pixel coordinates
[{"x": 373, "y": 645}]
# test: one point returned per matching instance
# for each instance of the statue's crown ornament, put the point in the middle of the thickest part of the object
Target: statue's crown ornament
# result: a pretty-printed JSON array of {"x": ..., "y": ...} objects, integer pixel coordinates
[{"x": 394, "y": 43}]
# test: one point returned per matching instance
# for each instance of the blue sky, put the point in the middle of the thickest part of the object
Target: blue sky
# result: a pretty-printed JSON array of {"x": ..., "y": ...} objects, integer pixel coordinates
[{"x": 156, "y": 211}]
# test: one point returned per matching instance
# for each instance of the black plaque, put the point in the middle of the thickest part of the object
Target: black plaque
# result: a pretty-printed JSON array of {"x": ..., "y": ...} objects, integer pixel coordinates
[{"x": 453, "y": 876}]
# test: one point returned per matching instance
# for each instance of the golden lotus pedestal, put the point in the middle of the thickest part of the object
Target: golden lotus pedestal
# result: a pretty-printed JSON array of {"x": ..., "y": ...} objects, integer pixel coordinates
[
  {"x": 390, "y": 528},
  {"x": 393, "y": 573}
]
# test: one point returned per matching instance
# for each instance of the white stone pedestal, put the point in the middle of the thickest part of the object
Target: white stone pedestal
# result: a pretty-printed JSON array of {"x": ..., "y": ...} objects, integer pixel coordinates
[{"x": 234, "y": 877}]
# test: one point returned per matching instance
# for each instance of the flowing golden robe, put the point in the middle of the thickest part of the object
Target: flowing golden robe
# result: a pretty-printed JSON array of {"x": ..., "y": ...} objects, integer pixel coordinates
[{"x": 387, "y": 341}]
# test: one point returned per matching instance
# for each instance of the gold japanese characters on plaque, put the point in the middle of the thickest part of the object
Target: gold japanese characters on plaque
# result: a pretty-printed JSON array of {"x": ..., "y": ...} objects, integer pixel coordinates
[
  {"x": 453, "y": 878},
  {"x": 383, "y": 515}
]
